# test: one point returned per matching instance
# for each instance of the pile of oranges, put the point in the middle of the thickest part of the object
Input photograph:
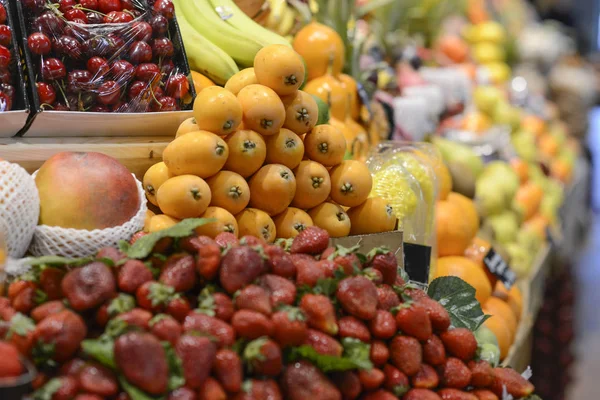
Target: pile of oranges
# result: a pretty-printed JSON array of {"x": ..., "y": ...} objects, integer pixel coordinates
[{"x": 254, "y": 159}]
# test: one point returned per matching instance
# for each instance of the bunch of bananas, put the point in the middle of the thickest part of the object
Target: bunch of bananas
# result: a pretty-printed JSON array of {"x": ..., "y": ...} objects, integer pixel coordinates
[
  {"x": 220, "y": 38},
  {"x": 284, "y": 15}
]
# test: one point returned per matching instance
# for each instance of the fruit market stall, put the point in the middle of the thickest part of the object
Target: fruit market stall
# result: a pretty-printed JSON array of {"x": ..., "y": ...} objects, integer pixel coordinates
[{"x": 277, "y": 199}]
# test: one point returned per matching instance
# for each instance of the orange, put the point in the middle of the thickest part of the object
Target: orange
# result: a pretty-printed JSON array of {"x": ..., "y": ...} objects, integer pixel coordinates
[
  {"x": 454, "y": 232},
  {"x": 225, "y": 222},
  {"x": 497, "y": 307},
  {"x": 515, "y": 300},
  {"x": 280, "y": 68},
  {"x": 325, "y": 144},
  {"x": 375, "y": 215},
  {"x": 183, "y": 196},
  {"x": 201, "y": 81},
  {"x": 149, "y": 215},
  {"x": 285, "y": 148},
  {"x": 548, "y": 145},
  {"x": 468, "y": 271},
  {"x": 521, "y": 168},
  {"x": 533, "y": 124},
  {"x": 263, "y": 109},
  {"x": 321, "y": 47},
  {"x": 155, "y": 176},
  {"x": 453, "y": 47},
  {"x": 496, "y": 324},
  {"x": 332, "y": 92},
  {"x": 240, "y": 80},
  {"x": 469, "y": 211},
  {"x": 357, "y": 138},
  {"x": 301, "y": 112},
  {"x": 247, "y": 152},
  {"x": 229, "y": 191},
  {"x": 257, "y": 223},
  {"x": 313, "y": 184},
  {"x": 476, "y": 252},
  {"x": 352, "y": 90},
  {"x": 198, "y": 153},
  {"x": 351, "y": 183},
  {"x": 272, "y": 188},
  {"x": 291, "y": 222},
  {"x": 527, "y": 200},
  {"x": 561, "y": 170},
  {"x": 217, "y": 110},
  {"x": 187, "y": 126},
  {"x": 500, "y": 291},
  {"x": 332, "y": 218},
  {"x": 160, "y": 222}
]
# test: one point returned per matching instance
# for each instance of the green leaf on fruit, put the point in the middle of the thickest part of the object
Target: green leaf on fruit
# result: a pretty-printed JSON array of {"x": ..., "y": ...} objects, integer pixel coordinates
[
  {"x": 176, "y": 379},
  {"x": 101, "y": 350},
  {"x": 20, "y": 325},
  {"x": 356, "y": 356},
  {"x": 134, "y": 392},
  {"x": 120, "y": 304},
  {"x": 458, "y": 298},
  {"x": 57, "y": 261},
  {"x": 144, "y": 245},
  {"x": 252, "y": 352},
  {"x": 47, "y": 391}
]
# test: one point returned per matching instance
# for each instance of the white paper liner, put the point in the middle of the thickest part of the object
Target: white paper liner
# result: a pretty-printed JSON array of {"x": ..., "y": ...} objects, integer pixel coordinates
[
  {"x": 69, "y": 242},
  {"x": 19, "y": 208}
]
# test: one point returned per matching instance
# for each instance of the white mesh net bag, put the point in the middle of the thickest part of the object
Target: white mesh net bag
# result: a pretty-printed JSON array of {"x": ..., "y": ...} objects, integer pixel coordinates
[
  {"x": 19, "y": 208},
  {"x": 69, "y": 242}
]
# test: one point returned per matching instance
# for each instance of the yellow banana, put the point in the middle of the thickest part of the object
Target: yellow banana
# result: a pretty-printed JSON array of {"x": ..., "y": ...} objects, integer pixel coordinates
[
  {"x": 276, "y": 14},
  {"x": 235, "y": 17},
  {"x": 287, "y": 22},
  {"x": 240, "y": 45},
  {"x": 204, "y": 56}
]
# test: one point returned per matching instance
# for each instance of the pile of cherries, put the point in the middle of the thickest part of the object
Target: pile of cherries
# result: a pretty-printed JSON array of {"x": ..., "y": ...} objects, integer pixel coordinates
[
  {"x": 7, "y": 90},
  {"x": 105, "y": 55}
]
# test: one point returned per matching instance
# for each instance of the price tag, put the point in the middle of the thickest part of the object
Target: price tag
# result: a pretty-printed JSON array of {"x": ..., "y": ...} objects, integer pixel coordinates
[
  {"x": 417, "y": 260},
  {"x": 497, "y": 266}
]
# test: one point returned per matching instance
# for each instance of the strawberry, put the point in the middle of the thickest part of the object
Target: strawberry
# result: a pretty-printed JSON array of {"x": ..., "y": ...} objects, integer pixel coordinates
[
  {"x": 240, "y": 266},
  {"x": 455, "y": 374},
  {"x": 395, "y": 380},
  {"x": 434, "y": 352},
  {"x": 371, "y": 379},
  {"x": 312, "y": 240},
  {"x": 132, "y": 275},
  {"x": 460, "y": 342},
  {"x": 49, "y": 308},
  {"x": 379, "y": 395},
  {"x": 96, "y": 379},
  {"x": 110, "y": 253},
  {"x": 320, "y": 313},
  {"x": 223, "y": 306},
  {"x": 386, "y": 298},
  {"x": 279, "y": 262},
  {"x": 89, "y": 286},
  {"x": 302, "y": 381},
  {"x": 280, "y": 290},
  {"x": 192, "y": 244},
  {"x": 211, "y": 390},
  {"x": 343, "y": 258},
  {"x": 380, "y": 353},
  {"x": 251, "y": 324},
  {"x": 415, "y": 294},
  {"x": 455, "y": 394},
  {"x": 228, "y": 370},
  {"x": 354, "y": 328},
  {"x": 323, "y": 343},
  {"x": 50, "y": 282},
  {"x": 154, "y": 296},
  {"x": 64, "y": 332},
  {"x": 254, "y": 298},
  {"x": 208, "y": 260},
  {"x": 263, "y": 357},
  {"x": 421, "y": 394},
  {"x": 179, "y": 307},
  {"x": 207, "y": 325},
  {"x": 69, "y": 386},
  {"x": 137, "y": 317},
  {"x": 25, "y": 301},
  {"x": 515, "y": 384},
  {"x": 252, "y": 241},
  {"x": 358, "y": 297},
  {"x": 166, "y": 328},
  {"x": 483, "y": 394},
  {"x": 373, "y": 275},
  {"x": 426, "y": 378},
  {"x": 439, "y": 317},
  {"x": 254, "y": 389},
  {"x": 413, "y": 320},
  {"x": 197, "y": 356},
  {"x": 289, "y": 327},
  {"x": 482, "y": 373},
  {"x": 226, "y": 239},
  {"x": 179, "y": 273},
  {"x": 385, "y": 262},
  {"x": 10, "y": 367},
  {"x": 406, "y": 354},
  {"x": 348, "y": 384},
  {"x": 383, "y": 326},
  {"x": 308, "y": 271}
]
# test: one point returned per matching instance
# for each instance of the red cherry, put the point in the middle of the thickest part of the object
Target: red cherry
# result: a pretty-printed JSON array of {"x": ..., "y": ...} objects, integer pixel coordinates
[
  {"x": 34, "y": 6},
  {"x": 2, "y": 14},
  {"x": 147, "y": 72},
  {"x": 142, "y": 31},
  {"x": 122, "y": 71},
  {"x": 5, "y": 57},
  {"x": 78, "y": 80},
  {"x": 109, "y": 93},
  {"x": 167, "y": 67},
  {"x": 97, "y": 66},
  {"x": 106, "y": 6},
  {"x": 164, "y": 7},
  {"x": 89, "y": 4},
  {"x": 8, "y": 89},
  {"x": 5, "y": 35},
  {"x": 39, "y": 44},
  {"x": 127, "y": 5},
  {"x": 66, "y": 5},
  {"x": 165, "y": 104},
  {"x": 5, "y": 102},
  {"x": 140, "y": 52},
  {"x": 159, "y": 24},
  {"x": 95, "y": 18},
  {"x": 75, "y": 14},
  {"x": 162, "y": 47},
  {"x": 53, "y": 69},
  {"x": 68, "y": 46},
  {"x": 136, "y": 89},
  {"x": 49, "y": 23},
  {"x": 46, "y": 93},
  {"x": 177, "y": 86},
  {"x": 117, "y": 17}
]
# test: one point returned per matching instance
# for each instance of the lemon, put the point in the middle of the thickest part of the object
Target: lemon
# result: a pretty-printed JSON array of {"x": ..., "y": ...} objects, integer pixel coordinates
[{"x": 391, "y": 185}]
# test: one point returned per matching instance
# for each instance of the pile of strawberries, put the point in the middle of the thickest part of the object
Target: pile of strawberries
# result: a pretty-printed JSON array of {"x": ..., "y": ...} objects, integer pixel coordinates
[{"x": 226, "y": 319}]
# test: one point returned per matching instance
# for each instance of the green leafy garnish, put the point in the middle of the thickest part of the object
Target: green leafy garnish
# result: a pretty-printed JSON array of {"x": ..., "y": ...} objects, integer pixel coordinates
[
  {"x": 176, "y": 379},
  {"x": 57, "y": 261},
  {"x": 48, "y": 390},
  {"x": 356, "y": 356},
  {"x": 358, "y": 351},
  {"x": 20, "y": 325},
  {"x": 120, "y": 304},
  {"x": 293, "y": 313},
  {"x": 134, "y": 392},
  {"x": 107, "y": 261},
  {"x": 161, "y": 294},
  {"x": 253, "y": 352},
  {"x": 458, "y": 298},
  {"x": 144, "y": 245},
  {"x": 102, "y": 350},
  {"x": 377, "y": 251}
]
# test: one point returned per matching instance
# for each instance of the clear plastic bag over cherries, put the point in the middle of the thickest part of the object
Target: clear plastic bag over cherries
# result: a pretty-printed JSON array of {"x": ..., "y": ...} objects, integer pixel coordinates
[
  {"x": 105, "y": 55},
  {"x": 7, "y": 61}
]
